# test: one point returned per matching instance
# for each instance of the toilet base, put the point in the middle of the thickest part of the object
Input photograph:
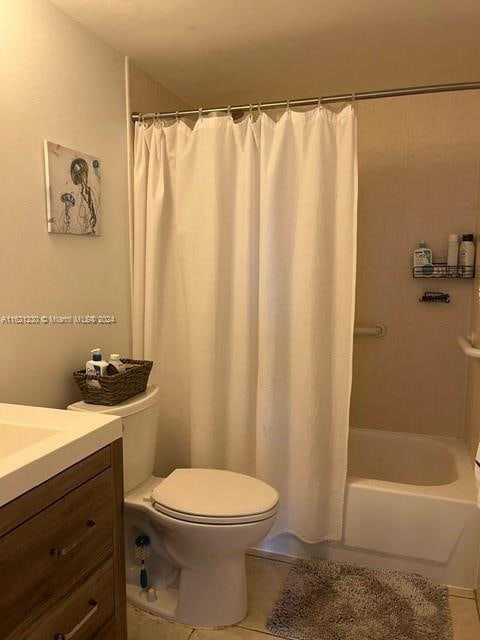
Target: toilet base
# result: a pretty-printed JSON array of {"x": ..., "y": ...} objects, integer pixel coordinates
[
  {"x": 164, "y": 606},
  {"x": 217, "y": 598},
  {"x": 214, "y": 596}
]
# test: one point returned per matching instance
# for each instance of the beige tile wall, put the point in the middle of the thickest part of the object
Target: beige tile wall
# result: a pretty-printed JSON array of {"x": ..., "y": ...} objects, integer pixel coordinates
[
  {"x": 418, "y": 180},
  {"x": 472, "y": 425},
  {"x": 472, "y": 405}
]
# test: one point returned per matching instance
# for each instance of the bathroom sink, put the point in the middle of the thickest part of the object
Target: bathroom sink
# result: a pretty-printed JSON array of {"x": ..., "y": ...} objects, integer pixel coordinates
[
  {"x": 37, "y": 443},
  {"x": 14, "y": 437}
]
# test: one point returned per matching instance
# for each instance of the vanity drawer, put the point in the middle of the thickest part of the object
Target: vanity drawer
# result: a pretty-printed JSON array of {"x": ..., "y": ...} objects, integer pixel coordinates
[
  {"x": 82, "y": 615},
  {"x": 39, "y": 498},
  {"x": 59, "y": 547}
]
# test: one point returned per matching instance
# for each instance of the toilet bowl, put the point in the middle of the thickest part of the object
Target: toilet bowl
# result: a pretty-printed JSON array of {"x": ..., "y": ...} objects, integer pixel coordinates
[{"x": 200, "y": 523}]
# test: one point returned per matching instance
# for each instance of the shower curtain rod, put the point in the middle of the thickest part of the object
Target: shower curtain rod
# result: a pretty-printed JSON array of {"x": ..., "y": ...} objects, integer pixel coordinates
[{"x": 305, "y": 102}]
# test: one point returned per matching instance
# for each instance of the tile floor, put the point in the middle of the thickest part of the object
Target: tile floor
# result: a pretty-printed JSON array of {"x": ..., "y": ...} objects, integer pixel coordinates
[{"x": 266, "y": 578}]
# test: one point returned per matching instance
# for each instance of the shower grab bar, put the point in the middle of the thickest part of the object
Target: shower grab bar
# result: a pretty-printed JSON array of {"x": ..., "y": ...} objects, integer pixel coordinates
[
  {"x": 467, "y": 347},
  {"x": 378, "y": 331}
]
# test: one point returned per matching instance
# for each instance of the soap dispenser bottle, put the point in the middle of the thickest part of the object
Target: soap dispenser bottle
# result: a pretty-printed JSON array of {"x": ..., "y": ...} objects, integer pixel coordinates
[
  {"x": 96, "y": 366},
  {"x": 422, "y": 260}
]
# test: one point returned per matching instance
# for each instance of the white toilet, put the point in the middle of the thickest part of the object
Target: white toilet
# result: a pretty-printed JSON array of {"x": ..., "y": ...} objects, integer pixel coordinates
[{"x": 200, "y": 522}]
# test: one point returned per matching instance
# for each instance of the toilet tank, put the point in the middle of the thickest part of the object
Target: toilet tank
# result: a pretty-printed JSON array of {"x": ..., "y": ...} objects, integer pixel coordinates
[{"x": 140, "y": 429}]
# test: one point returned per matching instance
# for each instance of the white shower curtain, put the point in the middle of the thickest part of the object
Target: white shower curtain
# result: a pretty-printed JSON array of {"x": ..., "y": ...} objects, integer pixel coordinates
[{"x": 244, "y": 278}]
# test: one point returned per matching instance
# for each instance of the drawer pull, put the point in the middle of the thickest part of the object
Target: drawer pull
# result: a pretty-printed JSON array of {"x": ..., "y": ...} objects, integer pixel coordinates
[
  {"x": 58, "y": 552},
  {"x": 66, "y": 636}
]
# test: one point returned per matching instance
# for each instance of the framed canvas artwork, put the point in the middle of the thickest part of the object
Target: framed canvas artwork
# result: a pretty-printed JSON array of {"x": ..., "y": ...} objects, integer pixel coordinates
[{"x": 73, "y": 183}]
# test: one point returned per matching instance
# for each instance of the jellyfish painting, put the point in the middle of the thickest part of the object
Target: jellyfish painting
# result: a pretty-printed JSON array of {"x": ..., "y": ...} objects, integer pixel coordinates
[
  {"x": 73, "y": 191},
  {"x": 96, "y": 168},
  {"x": 79, "y": 173},
  {"x": 69, "y": 202}
]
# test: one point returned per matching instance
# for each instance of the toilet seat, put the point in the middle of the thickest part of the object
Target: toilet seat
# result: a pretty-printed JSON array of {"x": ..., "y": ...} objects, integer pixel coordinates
[
  {"x": 189, "y": 517},
  {"x": 214, "y": 496}
]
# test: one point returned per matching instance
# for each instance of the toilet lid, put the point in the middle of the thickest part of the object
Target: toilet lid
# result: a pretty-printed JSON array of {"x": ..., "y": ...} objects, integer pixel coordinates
[{"x": 214, "y": 495}]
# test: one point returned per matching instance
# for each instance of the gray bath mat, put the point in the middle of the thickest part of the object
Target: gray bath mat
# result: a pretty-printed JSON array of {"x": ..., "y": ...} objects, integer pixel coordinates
[{"x": 337, "y": 601}]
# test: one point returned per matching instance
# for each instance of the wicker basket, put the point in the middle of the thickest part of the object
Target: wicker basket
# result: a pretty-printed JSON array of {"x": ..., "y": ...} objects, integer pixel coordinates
[{"x": 115, "y": 388}]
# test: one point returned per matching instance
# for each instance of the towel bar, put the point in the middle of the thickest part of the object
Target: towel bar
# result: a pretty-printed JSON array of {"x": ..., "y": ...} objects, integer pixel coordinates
[
  {"x": 378, "y": 330},
  {"x": 467, "y": 347}
]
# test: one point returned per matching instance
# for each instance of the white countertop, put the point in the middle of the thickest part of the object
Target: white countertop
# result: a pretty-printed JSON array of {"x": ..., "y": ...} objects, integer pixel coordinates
[{"x": 37, "y": 443}]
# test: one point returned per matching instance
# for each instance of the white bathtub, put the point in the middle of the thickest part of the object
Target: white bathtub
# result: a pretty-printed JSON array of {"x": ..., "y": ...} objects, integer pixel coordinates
[{"x": 409, "y": 505}]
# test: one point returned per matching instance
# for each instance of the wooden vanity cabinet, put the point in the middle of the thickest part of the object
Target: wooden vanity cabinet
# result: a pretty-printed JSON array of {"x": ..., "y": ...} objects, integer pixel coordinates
[{"x": 62, "y": 572}]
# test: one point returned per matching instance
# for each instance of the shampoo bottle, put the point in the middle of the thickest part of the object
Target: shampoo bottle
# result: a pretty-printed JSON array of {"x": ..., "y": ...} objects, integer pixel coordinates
[
  {"x": 466, "y": 256},
  {"x": 116, "y": 363},
  {"x": 452, "y": 256}
]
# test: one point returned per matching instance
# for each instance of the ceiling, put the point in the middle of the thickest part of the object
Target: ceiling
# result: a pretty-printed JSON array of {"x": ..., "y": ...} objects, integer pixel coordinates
[{"x": 215, "y": 52}]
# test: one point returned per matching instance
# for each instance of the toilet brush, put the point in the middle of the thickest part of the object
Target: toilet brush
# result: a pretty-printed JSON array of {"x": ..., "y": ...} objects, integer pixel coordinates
[{"x": 142, "y": 551}]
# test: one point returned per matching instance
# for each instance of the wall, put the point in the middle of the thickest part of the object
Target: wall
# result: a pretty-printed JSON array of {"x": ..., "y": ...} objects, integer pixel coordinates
[
  {"x": 472, "y": 427},
  {"x": 147, "y": 95},
  {"x": 472, "y": 430},
  {"x": 59, "y": 83},
  {"x": 418, "y": 180},
  {"x": 472, "y": 404}
]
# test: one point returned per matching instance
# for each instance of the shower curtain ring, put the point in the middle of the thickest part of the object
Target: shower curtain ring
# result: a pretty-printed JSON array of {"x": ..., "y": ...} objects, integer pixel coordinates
[
  {"x": 229, "y": 110},
  {"x": 250, "y": 111},
  {"x": 259, "y": 108},
  {"x": 288, "y": 105},
  {"x": 319, "y": 102},
  {"x": 353, "y": 96},
  {"x": 176, "y": 116},
  {"x": 200, "y": 112}
]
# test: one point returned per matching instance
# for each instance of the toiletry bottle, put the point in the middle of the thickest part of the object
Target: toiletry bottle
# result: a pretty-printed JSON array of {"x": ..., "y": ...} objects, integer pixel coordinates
[
  {"x": 466, "y": 256},
  {"x": 452, "y": 256},
  {"x": 422, "y": 260},
  {"x": 116, "y": 363},
  {"x": 96, "y": 366}
]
